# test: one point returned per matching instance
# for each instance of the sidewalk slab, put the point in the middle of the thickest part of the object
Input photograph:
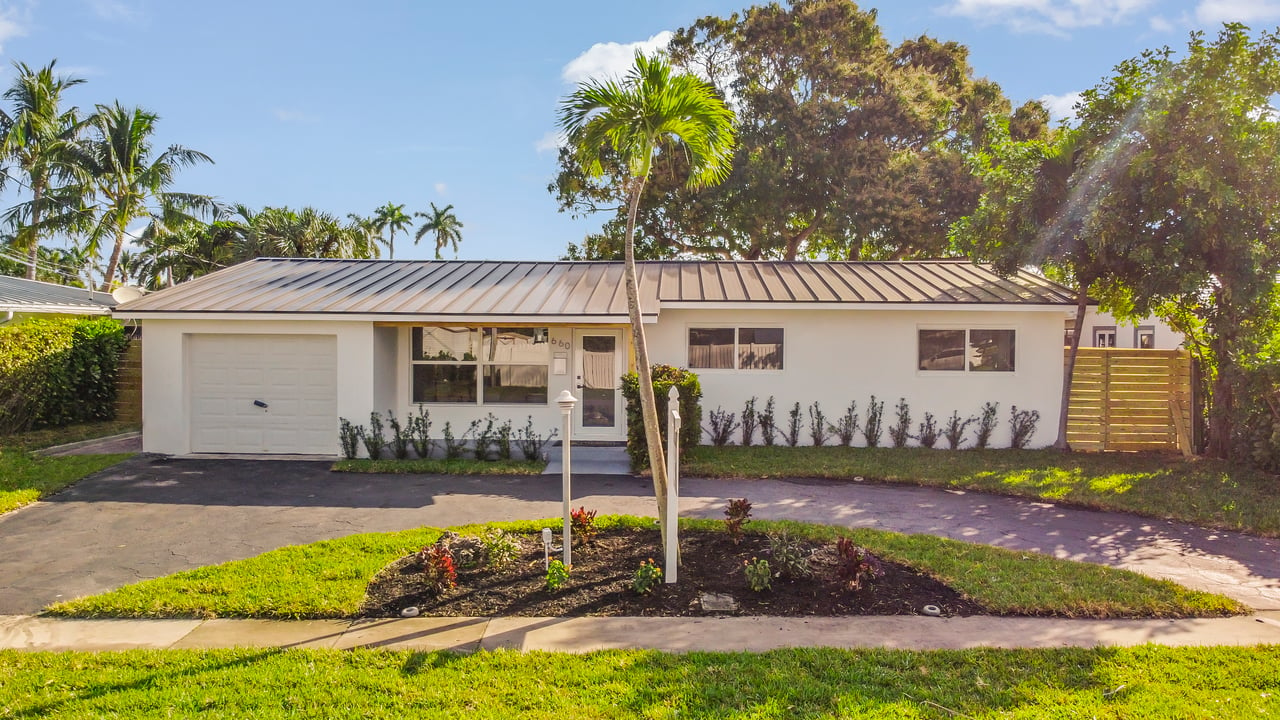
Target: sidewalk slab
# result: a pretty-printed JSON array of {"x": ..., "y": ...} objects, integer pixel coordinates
[
  {"x": 461, "y": 634},
  {"x": 758, "y": 634},
  {"x": 590, "y": 461},
  {"x": 129, "y": 442},
  {"x": 37, "y": 633},
  {"x": 227, "y": 632}
]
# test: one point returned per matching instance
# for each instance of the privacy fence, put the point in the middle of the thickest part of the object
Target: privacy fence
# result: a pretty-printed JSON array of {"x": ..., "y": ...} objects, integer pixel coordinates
[{"x": 1124, "y": 399}]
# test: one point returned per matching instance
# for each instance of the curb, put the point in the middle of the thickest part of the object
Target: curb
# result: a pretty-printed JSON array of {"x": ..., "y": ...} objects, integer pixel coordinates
[{"x": 86, "y": 443}]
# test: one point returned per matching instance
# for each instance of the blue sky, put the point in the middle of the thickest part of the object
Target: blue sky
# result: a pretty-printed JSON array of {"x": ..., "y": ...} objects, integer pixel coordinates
[{"x": 346, "y": 106}]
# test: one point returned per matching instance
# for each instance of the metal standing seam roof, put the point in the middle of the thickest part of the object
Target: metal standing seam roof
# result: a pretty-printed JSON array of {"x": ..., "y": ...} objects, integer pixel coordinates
[
  {"x": 22, "y": 295},
  {"x": 581, "y": 289}
]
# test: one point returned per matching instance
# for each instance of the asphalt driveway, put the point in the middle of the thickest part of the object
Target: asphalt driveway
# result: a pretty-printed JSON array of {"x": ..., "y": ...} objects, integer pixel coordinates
[{"x": 148, "y": 517}]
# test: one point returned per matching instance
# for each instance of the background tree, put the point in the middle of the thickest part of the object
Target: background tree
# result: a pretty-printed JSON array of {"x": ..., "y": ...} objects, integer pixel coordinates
[
  {"x": 849, "y": 147},
  {"x": 1200, "y": 187},
  {"x": 647, "y": 110},
  {"x": 391, "y": 218},
  {"x": 39, "y": 136},
  {"x": 128, "y": 183},
  {"x": 444, "y": 225}
]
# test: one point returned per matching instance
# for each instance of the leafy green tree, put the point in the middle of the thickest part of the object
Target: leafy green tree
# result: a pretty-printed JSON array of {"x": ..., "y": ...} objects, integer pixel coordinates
[
  {"x": 391, "y": 218},
  {"x": 128, "y": 182},
  {"x": 849, "y": 147},
  {"x": 1199, "y": 184},
  {"x": 444, "y": 225},
  {"x": 39, "y": 136},
  {"x": 650, "y": 108}
]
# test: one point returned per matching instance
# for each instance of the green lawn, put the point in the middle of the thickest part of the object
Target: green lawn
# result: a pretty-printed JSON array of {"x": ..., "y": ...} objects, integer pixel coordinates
[
  {"x": 1202, "y": 491},
  {"x": 1143, "y": 682},
  {"x": 328, "y": 578},
  {"x": 26, "y": 477},
  {"x": 457, "y": 466}
]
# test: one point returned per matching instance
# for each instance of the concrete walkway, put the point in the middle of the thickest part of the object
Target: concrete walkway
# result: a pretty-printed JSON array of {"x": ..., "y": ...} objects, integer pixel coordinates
[{"x": 585, "y": 634}]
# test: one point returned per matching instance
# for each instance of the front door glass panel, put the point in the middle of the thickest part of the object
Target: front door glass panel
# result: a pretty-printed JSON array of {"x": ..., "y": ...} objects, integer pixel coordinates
[{"x": 599, "y": 381}]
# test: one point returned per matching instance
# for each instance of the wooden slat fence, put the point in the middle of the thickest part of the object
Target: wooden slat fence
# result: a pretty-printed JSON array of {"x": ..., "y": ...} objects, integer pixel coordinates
[
  {"x": 1123, "y": 399},
  {"x": 129, "y": 383}
]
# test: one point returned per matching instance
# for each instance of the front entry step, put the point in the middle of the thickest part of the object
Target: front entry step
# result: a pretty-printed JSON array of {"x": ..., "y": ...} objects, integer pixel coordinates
[{"x": 593, "y": 460}]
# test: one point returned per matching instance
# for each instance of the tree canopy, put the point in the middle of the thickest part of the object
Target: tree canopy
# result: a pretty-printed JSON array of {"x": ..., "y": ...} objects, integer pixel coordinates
[{"x": 848, "y": 146}]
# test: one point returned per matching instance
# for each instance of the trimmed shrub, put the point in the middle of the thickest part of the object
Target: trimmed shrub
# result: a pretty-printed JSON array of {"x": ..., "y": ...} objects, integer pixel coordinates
[
  {"x": 664, "y": 378},
  {"x": 59, "y": 371}
]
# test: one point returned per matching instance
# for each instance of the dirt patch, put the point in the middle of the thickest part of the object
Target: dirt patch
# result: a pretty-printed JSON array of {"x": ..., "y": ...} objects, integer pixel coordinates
[{"x": 600, "y": 584}]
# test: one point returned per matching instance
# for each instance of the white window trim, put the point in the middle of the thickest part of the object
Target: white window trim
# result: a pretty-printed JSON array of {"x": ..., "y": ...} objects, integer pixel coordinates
[
  {"x": 735, "y": 327},
  {"x": 965, "y": 371},
  {"x": 479, "y": 365},
  {"x": 1115, "y": 335}
]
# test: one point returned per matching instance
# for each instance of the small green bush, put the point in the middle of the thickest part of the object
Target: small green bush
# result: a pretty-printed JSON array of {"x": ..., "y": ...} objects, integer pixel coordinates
[
  {"x": 664, "y": 378},
  {"x": 58, "y": 372}
]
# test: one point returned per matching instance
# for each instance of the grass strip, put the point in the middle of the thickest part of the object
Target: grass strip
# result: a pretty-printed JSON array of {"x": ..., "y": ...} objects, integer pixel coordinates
[
  {"x": 433, "y": 466},
  {"x": 1203, "y": 491},
  {"x": 25, "y": 477},
  {"x": 328, "y": 579},
  {"x": 1147, "y": 682}
]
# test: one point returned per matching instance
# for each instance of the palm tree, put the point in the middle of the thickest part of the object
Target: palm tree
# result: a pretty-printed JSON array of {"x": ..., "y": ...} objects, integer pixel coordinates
[
  {"x": 129, "y": 183},
  {"x": 633, "y": 119},
  {"x": 38, "y": 138},
  {"x": 390, "y": 218},
  {"x": 444, "y": 224}
]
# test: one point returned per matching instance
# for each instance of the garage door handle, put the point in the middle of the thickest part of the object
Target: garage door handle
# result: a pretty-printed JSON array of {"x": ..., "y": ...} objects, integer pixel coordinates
[{"x": 259, "y": 403}]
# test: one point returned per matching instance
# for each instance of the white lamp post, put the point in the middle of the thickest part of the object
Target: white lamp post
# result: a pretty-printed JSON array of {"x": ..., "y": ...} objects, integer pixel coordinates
[{"x": 566, "y": 401}]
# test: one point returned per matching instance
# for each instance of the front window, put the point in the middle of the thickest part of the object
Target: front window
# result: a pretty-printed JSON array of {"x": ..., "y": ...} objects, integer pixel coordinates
[
  {"x": 1146, "y": 338},
  {"x": 966, "y": 350},
  {"x": 480, "y": 365},
  {"x": 1104, "y": 336},
  {"x": 735, "y": 348}
]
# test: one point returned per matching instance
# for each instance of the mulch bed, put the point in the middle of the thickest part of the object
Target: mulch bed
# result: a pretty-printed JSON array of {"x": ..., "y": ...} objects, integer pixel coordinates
[{"x": 600, "y": 584}]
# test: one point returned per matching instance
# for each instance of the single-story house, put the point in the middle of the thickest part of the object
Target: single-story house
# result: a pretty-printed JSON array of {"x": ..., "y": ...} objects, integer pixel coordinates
[
  {"x": 266, "y": 356},
  {"x": 21, "y": 298}
]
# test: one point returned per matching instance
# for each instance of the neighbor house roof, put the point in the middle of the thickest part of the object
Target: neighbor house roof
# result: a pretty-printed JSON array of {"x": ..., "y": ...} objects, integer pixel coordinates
[
  {"x": 465, "y": 289},
  {"x": 31, "y": 296}
]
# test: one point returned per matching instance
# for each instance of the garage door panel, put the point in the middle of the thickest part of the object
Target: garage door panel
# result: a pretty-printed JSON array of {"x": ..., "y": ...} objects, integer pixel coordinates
[{"x": 295, "y": 375}]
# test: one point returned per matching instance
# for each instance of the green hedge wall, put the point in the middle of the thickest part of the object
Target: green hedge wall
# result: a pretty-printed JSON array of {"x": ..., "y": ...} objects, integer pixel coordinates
[
  {"x": 58, "y": 372},
  {"x": 664, "y": 377}
]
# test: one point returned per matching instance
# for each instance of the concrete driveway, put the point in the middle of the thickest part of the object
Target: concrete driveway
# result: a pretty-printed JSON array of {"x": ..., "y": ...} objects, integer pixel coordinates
[{"x": 148, "y": 517}]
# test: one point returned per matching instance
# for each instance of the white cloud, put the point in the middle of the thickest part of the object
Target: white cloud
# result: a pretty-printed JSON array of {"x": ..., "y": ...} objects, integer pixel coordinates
[
  {"x": 1160, "y": 24},
  {"x": 1220, "y": 11},
  {"x": 285, "y": 115},
  {"x": 1061, "y": 107},
  {"x": 13, "y": 23},
  {"x": 1047, "y": 16},
  {"x": 553, "y": 140},
  {"x": 114, "y": 10},
  {"x": 603, "y": 60},
  {"x": 441, "y": 188}
]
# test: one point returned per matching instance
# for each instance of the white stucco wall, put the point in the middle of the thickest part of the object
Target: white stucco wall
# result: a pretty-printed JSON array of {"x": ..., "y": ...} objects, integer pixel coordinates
[
  {"x": 837, "y": 356},
  {"x": 165, "y": 410},
  {"x": 1126, "y": 336},
  {"x": 831, "y": 356}
]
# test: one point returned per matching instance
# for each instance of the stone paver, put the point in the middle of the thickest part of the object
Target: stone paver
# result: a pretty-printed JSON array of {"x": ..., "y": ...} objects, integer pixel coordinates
[
  {"x": 149, "y": 516},
  {"x": 587, "y": 634}
]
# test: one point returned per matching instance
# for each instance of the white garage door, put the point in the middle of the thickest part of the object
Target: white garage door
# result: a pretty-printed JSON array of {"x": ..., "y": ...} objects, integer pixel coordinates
[{"x": 263, "y": 393}]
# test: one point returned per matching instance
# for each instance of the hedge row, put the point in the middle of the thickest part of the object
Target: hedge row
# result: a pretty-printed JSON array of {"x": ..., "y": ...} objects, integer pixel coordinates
[
  {"x": 58, "y": 372},
  {"x": 664, "y": 378}
]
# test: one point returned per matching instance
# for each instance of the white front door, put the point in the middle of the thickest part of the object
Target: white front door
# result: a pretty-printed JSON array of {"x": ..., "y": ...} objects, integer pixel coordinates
[{"x": 598, "y": 366}]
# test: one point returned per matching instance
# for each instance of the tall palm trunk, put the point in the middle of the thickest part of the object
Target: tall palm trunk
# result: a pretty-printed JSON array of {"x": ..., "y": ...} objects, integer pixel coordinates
[
  {"x": 391, "y": 246},
  {"x": 115, "y": 260},
  {"x": 33, "y": 252},
  {"x": 1082, "y": 301},
  {"x": 648, "y": 403}
]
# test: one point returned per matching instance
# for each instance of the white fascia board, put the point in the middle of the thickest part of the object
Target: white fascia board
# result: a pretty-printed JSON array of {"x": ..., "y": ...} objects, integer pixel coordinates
[
  {"x": 58, "y": 309},
  {"x": 374, "y": 317},
  {"x": 955, "y": 307}
]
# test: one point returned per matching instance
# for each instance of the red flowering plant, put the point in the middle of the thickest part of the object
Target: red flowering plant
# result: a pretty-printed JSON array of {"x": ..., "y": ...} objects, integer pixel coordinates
[
  {"x": 583, "y": 523},
  {"x": 439, "y": 573}
]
